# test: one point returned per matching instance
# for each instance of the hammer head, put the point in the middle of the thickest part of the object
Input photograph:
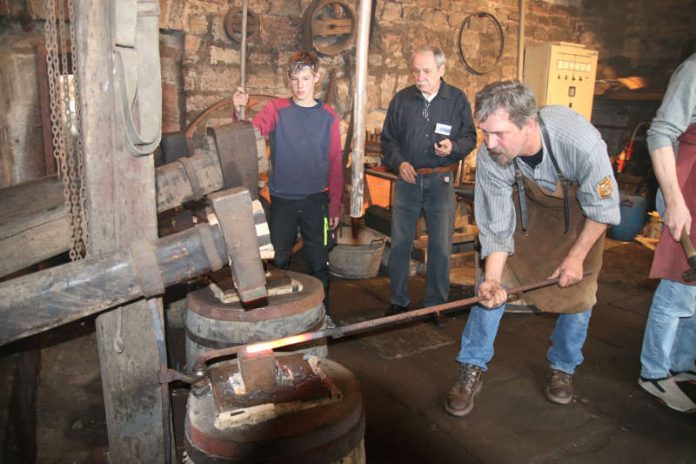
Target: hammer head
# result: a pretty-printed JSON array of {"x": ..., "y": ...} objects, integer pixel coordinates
[{"x": 690, "y": 274}]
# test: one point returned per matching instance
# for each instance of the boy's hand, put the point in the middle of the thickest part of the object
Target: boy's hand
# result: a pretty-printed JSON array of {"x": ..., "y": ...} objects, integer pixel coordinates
[
  {"x": 240, "y": 98},
  {"x": 333, "y": 222}
]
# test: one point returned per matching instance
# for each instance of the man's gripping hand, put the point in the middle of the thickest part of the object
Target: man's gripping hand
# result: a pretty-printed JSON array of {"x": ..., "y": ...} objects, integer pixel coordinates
[{"x": 492, "y": 294}]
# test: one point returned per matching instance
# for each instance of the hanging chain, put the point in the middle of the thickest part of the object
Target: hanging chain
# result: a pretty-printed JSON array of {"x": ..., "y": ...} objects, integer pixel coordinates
[{"x": 61, "y": 61}]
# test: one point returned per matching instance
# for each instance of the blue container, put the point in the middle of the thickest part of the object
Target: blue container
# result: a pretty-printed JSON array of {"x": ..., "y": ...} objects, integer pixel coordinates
[{"x": 632, "y": 218}]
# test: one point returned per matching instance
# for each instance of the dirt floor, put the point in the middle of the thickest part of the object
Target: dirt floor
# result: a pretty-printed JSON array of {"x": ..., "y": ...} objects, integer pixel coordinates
[{"x": 406, "y": 371}]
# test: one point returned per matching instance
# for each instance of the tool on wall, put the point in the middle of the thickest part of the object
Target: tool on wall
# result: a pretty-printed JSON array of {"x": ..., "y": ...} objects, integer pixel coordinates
[
  {"x": 478, "y": 36},
  {"x": 329, "y": 27}
]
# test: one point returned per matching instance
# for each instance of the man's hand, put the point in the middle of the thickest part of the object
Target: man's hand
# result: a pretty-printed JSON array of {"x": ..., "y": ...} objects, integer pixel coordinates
[
  {"x": 407, "y": 173},
  {"x": 443, "y": 147},
  {"x": 569, "y": 272},
  {"x": 492, "y": 294},
  {"x": 677, "y": 218},
  {"x": 240, "y": 98}
]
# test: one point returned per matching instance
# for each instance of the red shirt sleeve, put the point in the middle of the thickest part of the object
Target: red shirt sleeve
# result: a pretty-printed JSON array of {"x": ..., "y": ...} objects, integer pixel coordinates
[{"x": 265, "y": 120}]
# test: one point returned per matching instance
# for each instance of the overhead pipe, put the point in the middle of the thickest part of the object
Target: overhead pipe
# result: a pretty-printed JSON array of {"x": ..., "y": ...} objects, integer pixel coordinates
[
  {"x": 520, "y": 41},
  {"x": 359, "y": 109}
]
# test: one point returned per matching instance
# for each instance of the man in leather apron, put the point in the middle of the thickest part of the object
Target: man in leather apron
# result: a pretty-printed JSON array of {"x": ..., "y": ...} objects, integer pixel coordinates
[
  {"x": 545, "y": 195},
  {"x": 669, "y": 344}
]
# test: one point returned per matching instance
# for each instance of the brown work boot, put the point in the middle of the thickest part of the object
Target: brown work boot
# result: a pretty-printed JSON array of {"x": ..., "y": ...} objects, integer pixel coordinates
[
  {"x": 460, "y": 400},
  {"x": 560, "y": 388}
]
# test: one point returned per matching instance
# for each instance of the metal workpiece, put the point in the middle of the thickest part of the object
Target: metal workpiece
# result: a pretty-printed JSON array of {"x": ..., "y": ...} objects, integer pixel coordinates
[
  {"x": 43, "y": 300},
  {"x": 234, "y": 214}
]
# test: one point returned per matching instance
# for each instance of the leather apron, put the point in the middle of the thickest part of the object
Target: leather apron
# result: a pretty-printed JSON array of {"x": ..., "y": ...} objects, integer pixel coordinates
[{"x": 670, "y": 261}]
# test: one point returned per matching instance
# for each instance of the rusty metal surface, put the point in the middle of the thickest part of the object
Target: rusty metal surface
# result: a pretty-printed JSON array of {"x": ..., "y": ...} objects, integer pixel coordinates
[
  {"x": 235, "y": 218},
  {"x": 258, "y": 371},
  {"x": 203, "y": 302},
  {"x": 293, "y": 380},
  {"x": 236, "y": 148},
  {"x": 320, "y": 434}
]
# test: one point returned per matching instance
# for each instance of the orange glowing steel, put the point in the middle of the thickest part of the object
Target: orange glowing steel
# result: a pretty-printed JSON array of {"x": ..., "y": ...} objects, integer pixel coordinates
[{"x": 267, "y": 346}]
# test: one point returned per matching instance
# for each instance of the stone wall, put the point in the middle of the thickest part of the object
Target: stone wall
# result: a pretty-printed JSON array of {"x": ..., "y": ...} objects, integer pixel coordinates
[{"x": 210, "y": 65}]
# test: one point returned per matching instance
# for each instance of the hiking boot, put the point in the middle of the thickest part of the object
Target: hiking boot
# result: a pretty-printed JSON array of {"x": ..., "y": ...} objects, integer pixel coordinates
[
  {"x": 395, "y": 309},
  {"x": 460, "y": 400},
  {"x": 684, "y": 376},
  {"x": 560, "y": 388},
  {"x": 668, "y": 392}
]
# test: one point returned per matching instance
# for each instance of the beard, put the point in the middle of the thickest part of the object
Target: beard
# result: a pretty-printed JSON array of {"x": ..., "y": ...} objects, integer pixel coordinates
[{"x": 501, "y": 157}]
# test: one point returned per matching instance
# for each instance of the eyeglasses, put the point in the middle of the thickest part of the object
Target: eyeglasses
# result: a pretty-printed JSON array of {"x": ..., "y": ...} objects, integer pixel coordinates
[{"x": 426, "y": 113}]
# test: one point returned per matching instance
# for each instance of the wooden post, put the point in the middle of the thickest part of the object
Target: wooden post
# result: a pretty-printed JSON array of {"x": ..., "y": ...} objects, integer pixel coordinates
[{"x": 121, "y": 208}]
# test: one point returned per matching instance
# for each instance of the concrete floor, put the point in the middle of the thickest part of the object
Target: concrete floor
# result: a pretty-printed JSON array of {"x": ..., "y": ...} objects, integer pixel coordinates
[{"x": 406, "y": 372}]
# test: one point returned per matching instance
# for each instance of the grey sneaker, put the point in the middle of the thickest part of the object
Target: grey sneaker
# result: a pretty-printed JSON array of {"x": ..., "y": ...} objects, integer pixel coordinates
[
  {"x": 460, "y": 400},
  {"x": 560, "y": 388},
  {"x": 668, "y": 392},
  {"x": 684, "y": 376}
]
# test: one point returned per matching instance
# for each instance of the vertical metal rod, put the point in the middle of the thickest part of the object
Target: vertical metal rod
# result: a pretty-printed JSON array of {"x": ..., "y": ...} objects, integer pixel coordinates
[
  {"x": 359, "y": 101},
  {"x": 242, "y": 72},
  {"x": 520, "y": 41}
]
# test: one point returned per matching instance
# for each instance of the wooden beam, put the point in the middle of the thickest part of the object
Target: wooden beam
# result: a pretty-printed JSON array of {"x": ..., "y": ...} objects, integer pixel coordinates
[{"x": 121, "y": 208}]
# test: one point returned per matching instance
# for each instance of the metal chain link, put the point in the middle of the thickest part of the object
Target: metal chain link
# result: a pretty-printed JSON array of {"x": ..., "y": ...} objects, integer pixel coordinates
[{"x": 65, "y": 118}]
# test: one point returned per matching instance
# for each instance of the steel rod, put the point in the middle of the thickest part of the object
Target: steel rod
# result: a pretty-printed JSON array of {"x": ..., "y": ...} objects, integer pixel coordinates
[{"x": 341, "y": 331}]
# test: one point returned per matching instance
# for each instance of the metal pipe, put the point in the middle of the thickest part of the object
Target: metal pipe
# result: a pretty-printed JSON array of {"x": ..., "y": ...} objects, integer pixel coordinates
[
  {"x": 359, "y": 103},
  {"x": 242, "y": 55},
  {"x": 43, "y": 300},
  {"x": 520, "y": 41}
]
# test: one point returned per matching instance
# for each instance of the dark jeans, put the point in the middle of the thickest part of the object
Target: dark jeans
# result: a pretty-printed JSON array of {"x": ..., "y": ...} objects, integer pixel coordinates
[
  {"x": 311, "y": 215},
  {"x": 434, "y": 195}
]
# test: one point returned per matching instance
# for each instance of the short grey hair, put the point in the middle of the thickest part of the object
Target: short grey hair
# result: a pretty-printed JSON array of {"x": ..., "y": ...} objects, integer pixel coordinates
[
  {"x": 512, "y": 96},
  {"x": 436, "y": 51}
]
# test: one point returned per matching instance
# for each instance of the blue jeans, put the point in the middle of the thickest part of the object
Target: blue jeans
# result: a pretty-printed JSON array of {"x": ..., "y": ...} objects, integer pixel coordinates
[
  {"x": 434, "y": 195},
  {"x": 669, "y": 342},
  {"x": 567, "y": 339}
]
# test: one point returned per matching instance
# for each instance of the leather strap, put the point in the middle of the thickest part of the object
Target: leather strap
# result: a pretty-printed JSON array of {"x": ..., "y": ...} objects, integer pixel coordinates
[
  {"x": 564, "y": 182},
  {"x": 438, "y": 170}
]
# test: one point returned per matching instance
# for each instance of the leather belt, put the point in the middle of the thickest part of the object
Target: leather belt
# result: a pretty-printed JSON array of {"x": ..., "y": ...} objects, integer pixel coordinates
[{"x": 438, "y": 170}]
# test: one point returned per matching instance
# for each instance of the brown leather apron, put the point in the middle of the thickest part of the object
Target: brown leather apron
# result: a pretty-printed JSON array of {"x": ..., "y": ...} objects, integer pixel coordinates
[
  {"x": 670, "y": 261},
  {"x": 539, "y": 252}
]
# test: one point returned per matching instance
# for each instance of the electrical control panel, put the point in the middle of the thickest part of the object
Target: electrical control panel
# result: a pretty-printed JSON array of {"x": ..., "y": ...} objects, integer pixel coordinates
[{"x": 562, "y": 74}]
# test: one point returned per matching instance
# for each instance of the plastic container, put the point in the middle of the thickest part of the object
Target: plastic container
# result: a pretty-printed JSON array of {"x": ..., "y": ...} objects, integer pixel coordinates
[{"x": 633, "y": 218}]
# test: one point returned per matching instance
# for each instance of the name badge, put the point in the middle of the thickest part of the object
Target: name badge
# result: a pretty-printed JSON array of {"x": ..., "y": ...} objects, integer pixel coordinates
[{"x": 443, "y": 129}]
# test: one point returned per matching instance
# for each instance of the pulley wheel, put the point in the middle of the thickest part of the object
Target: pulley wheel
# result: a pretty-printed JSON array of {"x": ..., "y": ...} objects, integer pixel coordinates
[
  {"x": 329, "y": 27},
  {"x": 233, "y": 25}
]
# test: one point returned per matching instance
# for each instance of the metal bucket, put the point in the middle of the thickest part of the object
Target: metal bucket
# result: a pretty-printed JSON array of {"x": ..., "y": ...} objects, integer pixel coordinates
[
  {"x": 276, "y": 426},
  {"x": 211, "y": 324},
  {"x": 357, "y": 257}
]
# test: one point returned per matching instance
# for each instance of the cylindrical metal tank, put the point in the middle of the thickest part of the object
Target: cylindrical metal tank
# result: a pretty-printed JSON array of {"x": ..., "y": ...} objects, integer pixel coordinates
[
  {"x": 211, "y": 324},
  {"x": 303, "y": 427}
]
